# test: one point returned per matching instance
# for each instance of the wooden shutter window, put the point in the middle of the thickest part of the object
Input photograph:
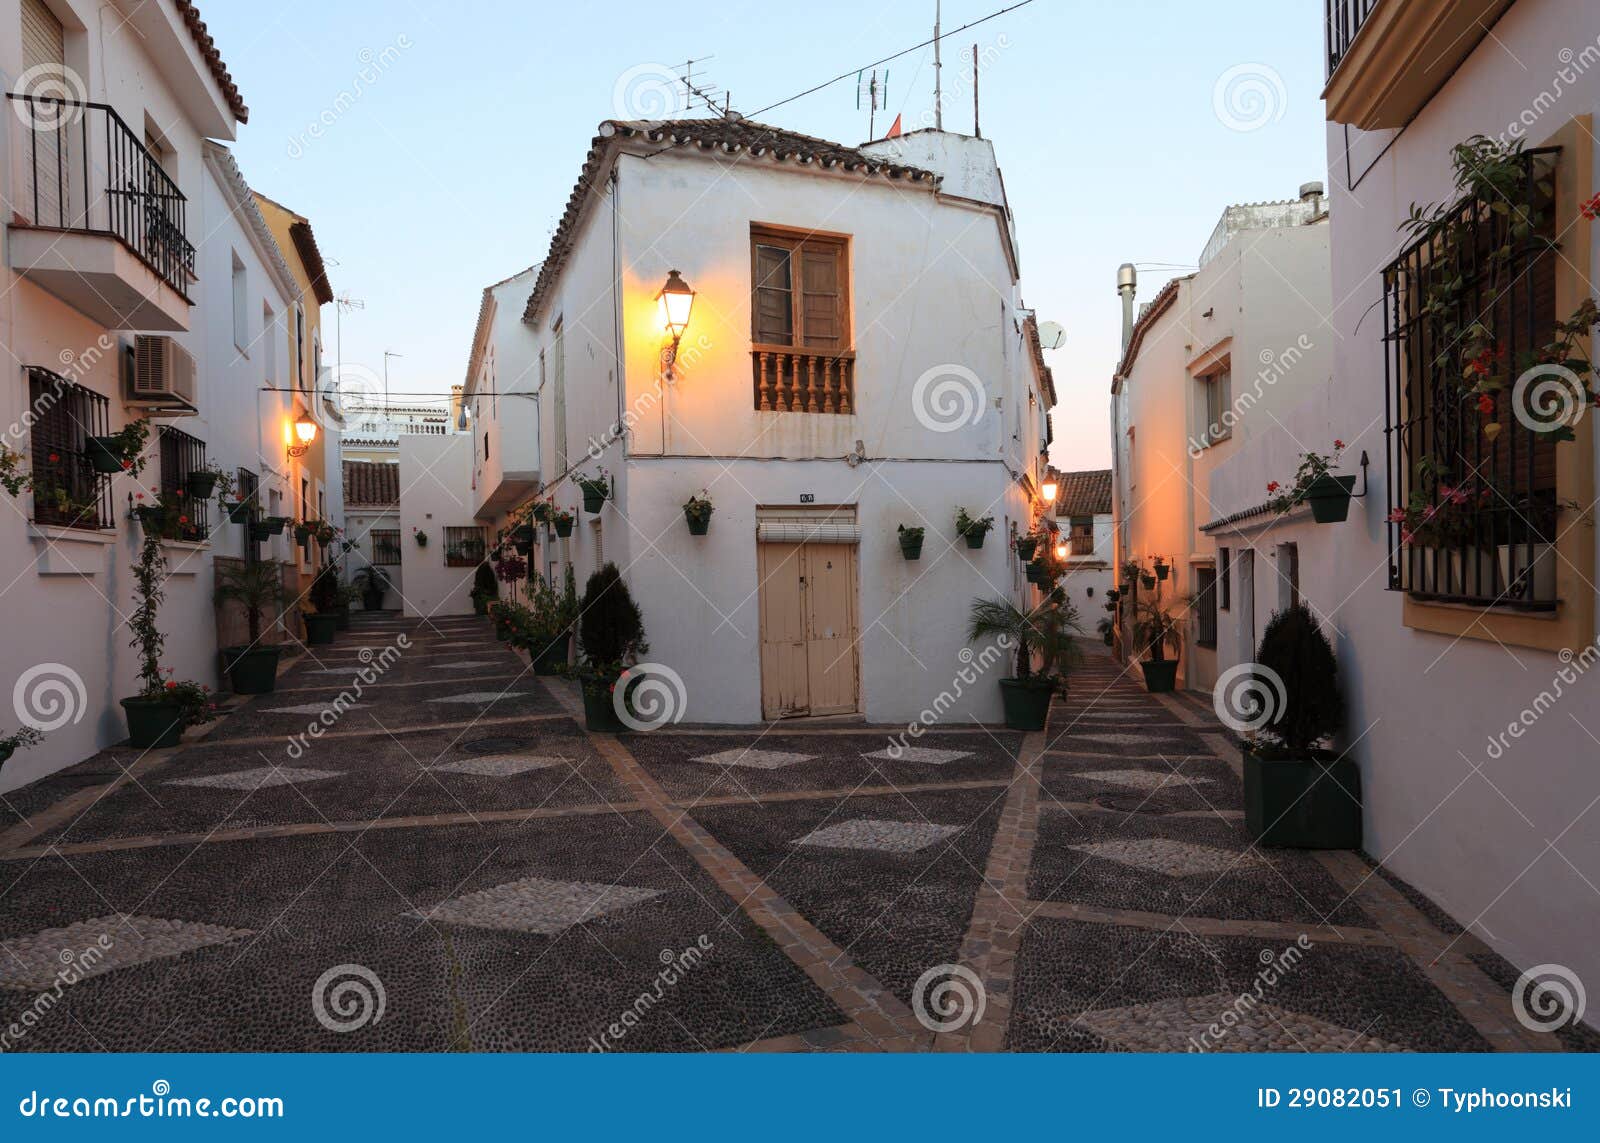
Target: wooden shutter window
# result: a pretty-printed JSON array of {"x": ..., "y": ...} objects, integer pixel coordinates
[
  {"x": 811, "y": 313},
  {"x": 774, "y": 296}
]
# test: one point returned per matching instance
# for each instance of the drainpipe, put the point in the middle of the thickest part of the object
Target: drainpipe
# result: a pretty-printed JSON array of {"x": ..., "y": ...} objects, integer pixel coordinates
[{"x": 1127, "y": 284}]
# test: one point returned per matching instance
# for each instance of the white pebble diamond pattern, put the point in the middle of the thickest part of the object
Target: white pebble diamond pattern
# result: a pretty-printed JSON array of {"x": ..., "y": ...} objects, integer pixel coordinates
[
  {"x": 258, "y": 778},
  {"x": 1171, "y": 858},
  {"x": 478, "y": 698},
  {"x": 535, "y": 905},
  {"x": 312, "y": 708},
  {"x": 923, "y": 754},
  {"x": 873, "y": 833},
  {"x": 499, "y": 765},
  {"x": 1141, "y": 779},
  {"x": 1171, "y": 1025},
  {"x": 32, "y": 962},
  {"x": 752, "y": 759}
]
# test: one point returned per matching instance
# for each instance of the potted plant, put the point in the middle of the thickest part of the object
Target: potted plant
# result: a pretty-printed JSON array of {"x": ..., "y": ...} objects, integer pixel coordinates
[
  {"x": 1147, "y": 581},
  {"x": 1437, "y": 523},
  {"x": 122, "y": 451},
  {"x": 697, "y": 511},
  {"x": 256, "y": 585},
  {"x": 540, "y": 512},
  {"x": 1107, "y": 627},
  {"x": 910, "y": 542},
  {"x": 1026, "y": 545},
  {"x": 324, "y": 596},
  {"x": 1047, "y": 629},
  {"x": 1155, "y": 628},
  {"x": 274, "y": 525},
  {"x": 344, "y": 593},
  {"x": 973, "y": 531},
  {"x": 610, "y": 639},
  {"x": 373, "y": 583},
  {"x": 484, "y": 588},
  {"x": 1162, "y": 568},
  {"x": 24, "y": 739},
  {"x": 164, "y": 706},
  {"x": 1315, "y": 483},
  {"x": 595, "y": 491},
  {"x": 203, "y": 481},
  {"x": 240, "y": 509},
  {"x": 561, "y": 521},
  {"x": 1296, "y": 792},
  {"x": 511, "y": 570},
  {"x": 546, "y": 635}
]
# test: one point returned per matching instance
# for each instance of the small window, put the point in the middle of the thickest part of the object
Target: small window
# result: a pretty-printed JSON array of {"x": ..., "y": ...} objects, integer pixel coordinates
[
  {"x": 799, "y": 293},
  {"x": 463, "y": 547},
  {"x": 1288, "y": 575},
  {"x": 1224, "y": 579},
  {"x": 299, "y": 347},
  {"x": 385, "y": 546},
  {"x": 269, "y": 345},
  {"x": 599, "y": 544},
  {"x": 1205, "y": 606},
  {"x": 1218, "y": 389},
  {"x": 241, "y": 307}
]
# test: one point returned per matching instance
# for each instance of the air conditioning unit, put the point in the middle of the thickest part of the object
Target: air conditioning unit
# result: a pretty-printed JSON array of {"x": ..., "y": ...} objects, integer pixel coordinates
[{"x": 163, "y": 374}]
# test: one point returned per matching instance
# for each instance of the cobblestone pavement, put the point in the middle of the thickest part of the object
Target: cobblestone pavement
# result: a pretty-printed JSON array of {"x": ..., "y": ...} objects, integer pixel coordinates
[{"x": 448, "y": 861}]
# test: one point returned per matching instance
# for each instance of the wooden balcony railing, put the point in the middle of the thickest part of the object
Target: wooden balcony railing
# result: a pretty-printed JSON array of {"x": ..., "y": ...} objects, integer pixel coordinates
[
  {"x": 1082, "y": 546},
  {"x": 791, "y": 379}
]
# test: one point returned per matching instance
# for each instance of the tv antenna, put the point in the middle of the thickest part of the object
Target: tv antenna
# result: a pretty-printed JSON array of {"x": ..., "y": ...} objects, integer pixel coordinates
[
  {"x": 875, "y": 92},
  {"x": 705, "y": 92}
]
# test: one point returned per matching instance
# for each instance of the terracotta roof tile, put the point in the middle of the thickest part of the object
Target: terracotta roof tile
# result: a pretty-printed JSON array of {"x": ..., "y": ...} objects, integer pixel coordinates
[
  {"x": 1084, "y": 493},
  {"x": 370, "y": 483},
  {"x": 213, "y": 58}
]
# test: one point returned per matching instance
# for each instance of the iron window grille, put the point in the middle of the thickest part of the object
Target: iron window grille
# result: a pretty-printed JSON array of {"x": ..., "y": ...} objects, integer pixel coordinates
[
  {"x": 248, "y": 489},
  {"x": 463, "y": 547},
  {"x": 1224, "y": 579},
  {"x": 385, "y": 546},
  {"x": 1082, "y": 536},
  {"x": 182, "y": 454},
  {"x": 67, "y": 492},
  {"x": 1490, "y": 503},
  {"x": 1205, "y": 606}
]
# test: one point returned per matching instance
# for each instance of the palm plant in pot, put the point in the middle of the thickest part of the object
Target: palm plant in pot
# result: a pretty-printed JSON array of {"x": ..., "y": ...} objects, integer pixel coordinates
[
  {"x": 373, "y": 584},
  {"x": 1047, "y": 629},
  {"x": 1296, "y": 792},
  {"x": 164, "y": 706},
  {"x": 484, "y": 588},
  {"x": 1156, "y": 628},
  {"x": 610, "y": 639},
  {"x": 256, "y": 586},
  {"x": 324, "y": 596}
]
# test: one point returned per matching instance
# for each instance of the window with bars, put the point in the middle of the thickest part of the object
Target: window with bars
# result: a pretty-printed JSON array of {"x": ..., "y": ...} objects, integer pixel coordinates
[
  {"x": 180, "y": 455},
  {"x": 800, "y": 321},
  {"x": 463, "y": 547},
  {"x": 1472, "y": 513},
  {"x": 1082, "y": 535},
  {"x": 1224, "y": 579},
  {"x": 67, "y": 492},
  {"x": 1205, "y": 606},
  {"x": 385, "y": 546}
]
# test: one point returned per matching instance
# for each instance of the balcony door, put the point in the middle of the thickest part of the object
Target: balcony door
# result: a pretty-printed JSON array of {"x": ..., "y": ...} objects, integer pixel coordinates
[{"x": 46, "y": 152}]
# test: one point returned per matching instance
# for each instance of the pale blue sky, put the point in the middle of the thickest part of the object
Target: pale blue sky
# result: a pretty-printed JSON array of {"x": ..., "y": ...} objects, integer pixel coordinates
[{"x": 449, "y": 169}]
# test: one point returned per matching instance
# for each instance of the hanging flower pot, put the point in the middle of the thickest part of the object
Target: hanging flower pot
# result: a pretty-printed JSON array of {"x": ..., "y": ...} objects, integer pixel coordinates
[
  {"x": 1162, "y": 568},
  {"x": 106, "y": 454},
  {"x": 202, "y": 482},
  {"x": 260, "y": 533},
  {"x": 152, "y": 518},
  {"x": 239, "y": 511},
  {"x": 523, "y": 549},
  {"x": 562, "y": 521},
  {"x": 275, "y": 524},
  {"x": 697, "y": 511},
  {"x": 302, "y": 533},
  {"x": 910, "y": 542},
  {"x": 541, "y": 511},
  {"x": 1329, "y": 496},
  {"x": 1148, "y": 580},
  {"x": 594, "y": 494},
  {"x": 522, "y": 534},
  {"x": 1026, "y": 545}
]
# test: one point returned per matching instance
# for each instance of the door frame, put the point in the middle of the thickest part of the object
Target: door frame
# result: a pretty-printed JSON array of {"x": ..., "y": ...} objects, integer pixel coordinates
[{"x": 767, "y": 513}]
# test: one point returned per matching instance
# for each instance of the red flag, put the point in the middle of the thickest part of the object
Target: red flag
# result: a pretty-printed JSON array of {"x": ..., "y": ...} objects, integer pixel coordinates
[{"x": 895, "y": 130}]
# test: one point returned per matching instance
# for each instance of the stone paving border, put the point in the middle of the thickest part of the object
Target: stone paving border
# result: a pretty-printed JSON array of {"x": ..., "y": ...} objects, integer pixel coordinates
[{"x": 879, "y": 1021}]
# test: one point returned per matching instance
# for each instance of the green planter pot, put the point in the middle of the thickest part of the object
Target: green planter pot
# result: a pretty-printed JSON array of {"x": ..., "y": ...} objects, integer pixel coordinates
[
  {"x": 153, "y": 723},
  {"x": 373, "y": 600},
  {"x": 251, "y": 670},
  {"x": 260, "y": 533},
  {"x": 341, "y": 618},
  {"x": 152, "y": 520},
  {"x": 1303, "y": 803},
  {"x": 1026, "y": 546},
  {"x": 302, "y": 535},
  {"x": 200, "y": 485},
  {"x": 1037, "y": 574},
  {"x": 1329, "y": 497},
  {"x": 975, "y": 539},
  {"x": 598, "y": 712},
  {"x": 1160, "y": 676},
  {"x": 697, "y": 525},
  {"x": 1026, "y": 702},
  {"x": 522, "y": 534},
  {"x": 593, "y": 498},
  {"x": 274, "y": 524},
  {"x": 541, "y": 513},
  {"x": 320, "y": 628},
  {"x": 549, "y": 658},
  {"x": 239, "y": 511},
  {"x": 480, "y": 605},
  {"x": 911, "y": 549},
  {"x": 105, "y": 454},
  {"x": 563, "y": 528}
]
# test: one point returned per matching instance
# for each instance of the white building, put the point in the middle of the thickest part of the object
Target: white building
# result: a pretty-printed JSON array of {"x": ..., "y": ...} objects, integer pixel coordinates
[
  {"x": 1213, "y": 359},
  {"x": 374, "y": 425},
  {"x": 858, "y": 359},
  {"x": 371, "y": 492},
  {"x": 1470, "y": 681},
  {"x": 1083, "y": 512}
]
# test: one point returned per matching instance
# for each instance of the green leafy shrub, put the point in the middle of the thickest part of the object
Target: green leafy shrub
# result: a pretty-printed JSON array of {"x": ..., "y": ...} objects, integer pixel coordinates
[
  {"x": 610, "y": 628},
  {"x": 1311, "y": 707}
]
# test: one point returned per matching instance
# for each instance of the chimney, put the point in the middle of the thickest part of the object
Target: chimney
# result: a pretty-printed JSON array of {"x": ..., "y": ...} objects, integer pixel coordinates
[
  {"x": 1127, "y": 283},
  {"x": 1312, "y": 192}
]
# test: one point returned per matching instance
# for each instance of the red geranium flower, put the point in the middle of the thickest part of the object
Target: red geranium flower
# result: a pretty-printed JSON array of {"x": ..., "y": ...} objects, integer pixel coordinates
[
  {"x": 54, "y": 457},
  {"x": 183, "y": 519},
  {"x": 1486, "y": 404},
  {"x": 127, "y": 464},
  {"x": 1591, "y": 209},
  {"x": 1338, "y": 444},
  {"x": 1272, "y": 486}
]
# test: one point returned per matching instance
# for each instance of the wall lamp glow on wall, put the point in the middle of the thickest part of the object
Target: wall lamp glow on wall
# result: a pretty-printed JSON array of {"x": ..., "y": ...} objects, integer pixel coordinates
[
  {"x": 675, "y": 300},
  {"x": 305, "y": 431},
  {"x": 1048, "y": 491},
  {"x": 1061, "y": 548}
]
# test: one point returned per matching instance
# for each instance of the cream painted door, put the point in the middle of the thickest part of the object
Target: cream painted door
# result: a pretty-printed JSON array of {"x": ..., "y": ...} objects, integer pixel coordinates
[
  {"x": 808, "y": 629},
  {"x": 829, "y": 589}
]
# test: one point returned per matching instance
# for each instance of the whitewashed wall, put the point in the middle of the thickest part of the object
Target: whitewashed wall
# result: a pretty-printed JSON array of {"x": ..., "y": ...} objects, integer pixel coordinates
[{"x": 434, "y": 494}]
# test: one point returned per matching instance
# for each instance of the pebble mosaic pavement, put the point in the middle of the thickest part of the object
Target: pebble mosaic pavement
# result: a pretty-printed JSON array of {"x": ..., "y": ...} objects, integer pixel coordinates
[{"x": 518, "y": 884}]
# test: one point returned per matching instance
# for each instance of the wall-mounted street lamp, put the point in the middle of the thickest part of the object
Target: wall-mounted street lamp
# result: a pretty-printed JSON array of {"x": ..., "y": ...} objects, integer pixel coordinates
[
  {"x": 1048, "y": 491},
  {"x": 675, "y": 300},
  {"x": 305, "y": 431},
  {"x": 1061, "y": 548}
]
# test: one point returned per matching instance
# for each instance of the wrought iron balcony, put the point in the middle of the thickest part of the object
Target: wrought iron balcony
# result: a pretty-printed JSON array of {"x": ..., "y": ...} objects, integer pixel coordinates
[
  {"x": 1344, "y": 20},
  {"x": 83, "y": 171}
]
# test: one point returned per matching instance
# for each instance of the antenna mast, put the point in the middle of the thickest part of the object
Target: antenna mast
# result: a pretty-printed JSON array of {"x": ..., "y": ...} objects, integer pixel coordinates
[
  {"x": 977, "y": 132},
  {"x": 938, "y": 77}
]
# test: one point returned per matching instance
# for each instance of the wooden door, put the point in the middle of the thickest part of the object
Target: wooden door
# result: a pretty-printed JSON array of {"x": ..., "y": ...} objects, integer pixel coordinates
[
  {"x": 47, "y": 154},
  {"x": 829, "y": 589},
  {"x": 785, "y": 687}
]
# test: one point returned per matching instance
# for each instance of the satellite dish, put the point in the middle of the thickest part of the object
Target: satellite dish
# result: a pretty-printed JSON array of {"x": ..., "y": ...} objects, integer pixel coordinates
[{"x": 1051, "y": 334}]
